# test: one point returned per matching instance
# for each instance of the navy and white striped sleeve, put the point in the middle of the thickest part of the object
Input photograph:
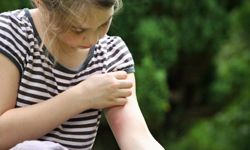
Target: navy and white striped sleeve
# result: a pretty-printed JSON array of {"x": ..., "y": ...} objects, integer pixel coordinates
[
  {"x": 12, "y": 40},
  {"x": 119, "y": 56}
]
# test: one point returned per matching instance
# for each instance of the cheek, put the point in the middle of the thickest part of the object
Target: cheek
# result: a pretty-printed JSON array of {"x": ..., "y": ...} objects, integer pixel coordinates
[
  {"x": 103, "y": 32},
  {"x": 69, "y": 39}
]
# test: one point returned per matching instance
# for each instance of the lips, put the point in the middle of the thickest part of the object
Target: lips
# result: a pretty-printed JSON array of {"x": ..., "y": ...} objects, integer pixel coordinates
[{"x": 84, "y": 47}]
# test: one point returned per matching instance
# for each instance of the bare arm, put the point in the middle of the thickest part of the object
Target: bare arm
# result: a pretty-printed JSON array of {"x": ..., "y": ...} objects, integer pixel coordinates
[
  {"x": 34, "y": 121},
  {"x": 29, "y": 122},
  {"x": 129, "y": 127}
]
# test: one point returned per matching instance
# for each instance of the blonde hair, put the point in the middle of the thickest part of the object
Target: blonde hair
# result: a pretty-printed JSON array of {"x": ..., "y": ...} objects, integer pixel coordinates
[{"x": 60, "y": 14}]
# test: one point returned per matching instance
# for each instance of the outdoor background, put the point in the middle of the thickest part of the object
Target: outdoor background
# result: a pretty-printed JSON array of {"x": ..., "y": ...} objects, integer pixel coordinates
[{"x": 192, "y": 68}]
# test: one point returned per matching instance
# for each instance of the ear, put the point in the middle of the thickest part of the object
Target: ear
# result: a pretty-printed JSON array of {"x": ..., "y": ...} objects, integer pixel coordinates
[{"x": 37, "y": 3}]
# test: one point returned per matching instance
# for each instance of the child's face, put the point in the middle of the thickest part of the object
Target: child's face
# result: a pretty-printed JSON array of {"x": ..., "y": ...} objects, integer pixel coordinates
[{"x": 95, "y": 26}]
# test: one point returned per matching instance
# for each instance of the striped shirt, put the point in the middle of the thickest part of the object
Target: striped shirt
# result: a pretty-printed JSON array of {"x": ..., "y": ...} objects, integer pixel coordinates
[{"x": 41, "y": 79}]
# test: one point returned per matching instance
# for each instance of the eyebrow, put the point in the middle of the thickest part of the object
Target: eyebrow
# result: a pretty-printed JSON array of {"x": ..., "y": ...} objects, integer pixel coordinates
[{"x": 81, "y": 28}]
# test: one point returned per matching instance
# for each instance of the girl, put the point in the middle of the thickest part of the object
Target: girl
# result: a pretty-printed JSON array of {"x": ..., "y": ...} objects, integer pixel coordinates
[{"x": 59, "y": 70}]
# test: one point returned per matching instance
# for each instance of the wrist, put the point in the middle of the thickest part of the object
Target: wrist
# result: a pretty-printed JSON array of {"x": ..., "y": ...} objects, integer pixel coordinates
[
  {"x": 80, "y": 96},
  {"x": 141, "y": 142}
]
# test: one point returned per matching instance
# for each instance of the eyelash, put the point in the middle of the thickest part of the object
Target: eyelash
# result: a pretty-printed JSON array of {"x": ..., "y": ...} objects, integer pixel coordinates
[{"x": 75, "y": 30}]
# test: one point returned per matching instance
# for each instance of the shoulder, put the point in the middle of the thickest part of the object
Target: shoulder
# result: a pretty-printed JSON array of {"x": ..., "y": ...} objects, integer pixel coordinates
[
  {"x": 117, "y": 54},
  {"x": 110, "y": 40},
  {"x": 14, "y": 31},
  {"x": 14, "y": 22},
  {"x": 112, "y": 44},
  {"x": 16, "y": 16}
]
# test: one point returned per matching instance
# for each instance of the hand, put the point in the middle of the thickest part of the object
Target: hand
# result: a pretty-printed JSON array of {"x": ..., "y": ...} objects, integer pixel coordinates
[{"x": 106, "y": 90}]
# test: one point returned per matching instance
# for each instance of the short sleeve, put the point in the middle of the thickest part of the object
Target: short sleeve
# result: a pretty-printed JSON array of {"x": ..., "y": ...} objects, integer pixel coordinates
[
  {"x": 119, "y": 56},
  {"x": 12, "y": 40}
]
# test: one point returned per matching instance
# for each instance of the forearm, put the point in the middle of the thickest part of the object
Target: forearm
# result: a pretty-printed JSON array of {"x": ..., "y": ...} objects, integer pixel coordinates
[
  {"x": 124, "y": 131},
  {"x": 129, "y": 127},
  {"x": 34, "y": 121}
]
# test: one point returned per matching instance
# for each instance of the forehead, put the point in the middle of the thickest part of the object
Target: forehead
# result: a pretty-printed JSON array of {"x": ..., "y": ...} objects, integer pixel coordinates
[{"x": 92, "y": 16}]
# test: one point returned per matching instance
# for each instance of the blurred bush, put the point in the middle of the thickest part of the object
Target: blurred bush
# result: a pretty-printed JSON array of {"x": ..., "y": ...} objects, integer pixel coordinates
[
  {"x": 152, "y": 92},
  {"x": 8, "y": 5},
  {"x": 229, "y": 129},
  {"x": 234, "y": 59}
]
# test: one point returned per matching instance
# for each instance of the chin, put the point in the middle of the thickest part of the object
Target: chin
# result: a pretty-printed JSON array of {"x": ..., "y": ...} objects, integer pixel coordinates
[{"x": 82, "y": 48}]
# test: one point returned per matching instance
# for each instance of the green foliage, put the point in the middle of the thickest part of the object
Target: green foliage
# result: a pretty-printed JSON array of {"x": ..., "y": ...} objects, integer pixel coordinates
[
  {"x": 233, "y": 72},
  {"x": 162, "y": 47},
  {"x": 201, "y": 24},
  {"x": 8, "y": 5},
  {"x": 241, "y": 24},
  {"x": 229, "y": 129},
  {"x": 151, "y": 92},
  {"x": 148, "y": 30},
  {"x": 234, "y": 59}
]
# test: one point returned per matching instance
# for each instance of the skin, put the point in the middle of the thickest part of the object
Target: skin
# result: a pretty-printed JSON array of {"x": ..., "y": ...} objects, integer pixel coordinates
[
  {"x": 79, "y": 38},
  {"x": 87, "y": 34},
  {"x": 114, "y": 92}
]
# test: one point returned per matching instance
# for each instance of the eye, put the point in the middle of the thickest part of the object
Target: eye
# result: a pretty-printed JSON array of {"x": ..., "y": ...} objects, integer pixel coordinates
[{"x": 77, "y": 30}]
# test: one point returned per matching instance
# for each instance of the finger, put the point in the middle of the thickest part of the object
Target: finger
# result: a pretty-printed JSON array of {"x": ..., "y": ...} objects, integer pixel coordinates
[
  {"x": 123, "y": 93},
  {"x": 120, "y": 75},
  {"x": 121, "y": 101},
  {"x": 125, "y": 84}
]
